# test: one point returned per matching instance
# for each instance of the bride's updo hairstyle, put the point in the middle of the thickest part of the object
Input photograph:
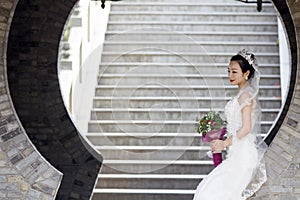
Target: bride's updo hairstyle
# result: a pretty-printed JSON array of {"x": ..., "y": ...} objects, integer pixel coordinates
[{"x": 244, "y": 64}]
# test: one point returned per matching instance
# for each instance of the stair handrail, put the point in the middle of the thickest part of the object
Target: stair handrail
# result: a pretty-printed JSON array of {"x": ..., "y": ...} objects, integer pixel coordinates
[
  {"x": 258, "y": 2},
  {"x": 103, "y": 2}
]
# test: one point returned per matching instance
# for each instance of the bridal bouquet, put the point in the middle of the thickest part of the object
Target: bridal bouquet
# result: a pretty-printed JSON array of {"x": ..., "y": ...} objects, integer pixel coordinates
[{"x": 211, "y": 126}]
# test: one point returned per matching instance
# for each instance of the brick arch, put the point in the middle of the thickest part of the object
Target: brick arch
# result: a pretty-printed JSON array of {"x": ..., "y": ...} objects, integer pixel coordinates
[
  {"x": 282, "y": 157},
  {"x": 32, "y": 50},
  {"x": 24, "y": 172},
  {"x": 283, "y": 9},
  {"x": 32, "y": 58}
]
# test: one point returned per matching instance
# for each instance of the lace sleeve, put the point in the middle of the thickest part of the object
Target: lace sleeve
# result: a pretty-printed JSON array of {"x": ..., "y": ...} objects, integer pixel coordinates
[{"x": 245, "y": 97}]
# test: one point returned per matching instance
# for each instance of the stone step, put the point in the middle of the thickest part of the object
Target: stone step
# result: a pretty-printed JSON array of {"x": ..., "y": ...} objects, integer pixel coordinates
[
  {"x": 149, "y": 181},
  {"x": 174, "y": 75},
  {"x": 110, "y": 103},
  {"x": 179, "y": 140},
  {"x": 161, "y": 113},
  {"x": 150, "y": 114},
  {"x": 266, "y": 2},
  {"x": 167, "y": 110},
  {"x": 182, "y": 103},
  {"x": 157, "y": 166},
  {"x": 170, "y": 79},
  {"x": 189, "y": 6},
  {"x": 193, "y": 26},
  {"x": 148, "y": 135},
  {"x": 191, "y": 16},
  {"x": 151, "y": 126},
  {"x": 145, "y": 194},
  {"x": 151, "y": 34},
  {"x": 154, "y": 152},
  {"x": 178, "y": 90},
  {"x": 114, "y": 152},
  {"x": 171, "y": 98},
  {"x": 142, "y": 152},
  {"x": 180, "y": 57},
  {"x": 163, "y": 142},
  {"x": 187, "y": 46},
  {"x": 178, "y": 68}
]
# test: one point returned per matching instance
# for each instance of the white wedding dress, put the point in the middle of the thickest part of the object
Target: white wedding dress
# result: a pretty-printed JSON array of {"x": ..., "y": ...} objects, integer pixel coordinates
[{"x": 230, "y": 180}]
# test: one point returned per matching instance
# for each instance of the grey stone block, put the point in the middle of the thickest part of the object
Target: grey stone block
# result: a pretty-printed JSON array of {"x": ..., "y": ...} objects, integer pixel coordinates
[
  {"x": 16, "y": 159},
  {"x": 15, "y": 194},
  {"x": 27, "y": 161},
  {"x": 2, "y": 194},
  {"x": 3, "y": 178},
  {"x": 10, "y": 187},
  {"x": 10, "y": 135},
  {"x": 34, "y": 194},
  {"x": 12, "y": 152},
  {"x": 8, "y": 171}
]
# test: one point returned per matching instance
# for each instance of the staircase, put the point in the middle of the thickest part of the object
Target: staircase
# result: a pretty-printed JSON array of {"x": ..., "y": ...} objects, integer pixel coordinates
[{"x": 164, "y": 63}]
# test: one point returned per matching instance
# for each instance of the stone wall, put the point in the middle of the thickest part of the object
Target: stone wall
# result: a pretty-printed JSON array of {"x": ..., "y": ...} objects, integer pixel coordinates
[
  {"x": 282, "y": 157},
  {"x": 24, "y": 173}
]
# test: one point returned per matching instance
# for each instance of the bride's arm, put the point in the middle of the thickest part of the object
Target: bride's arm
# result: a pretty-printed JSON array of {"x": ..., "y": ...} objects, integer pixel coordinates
[
  {"x": 246, "y": 122},
  {"x": 246, "y": 115},
  {"x": 219, "y": 145}
]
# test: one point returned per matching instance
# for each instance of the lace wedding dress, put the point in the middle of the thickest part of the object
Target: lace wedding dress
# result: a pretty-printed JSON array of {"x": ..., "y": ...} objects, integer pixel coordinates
[{"x": 242, "y": 173}]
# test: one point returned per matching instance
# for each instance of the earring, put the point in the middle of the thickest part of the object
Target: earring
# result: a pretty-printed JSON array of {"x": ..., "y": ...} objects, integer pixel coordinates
[{"x": 246, "y": 78}]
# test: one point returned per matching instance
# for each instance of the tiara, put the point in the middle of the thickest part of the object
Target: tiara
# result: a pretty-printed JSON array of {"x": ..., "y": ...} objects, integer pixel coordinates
[{"x": 249, "y": 57}]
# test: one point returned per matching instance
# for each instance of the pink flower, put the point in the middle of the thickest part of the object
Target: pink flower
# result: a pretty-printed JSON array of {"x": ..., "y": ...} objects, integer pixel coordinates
[{"x": 214, "y": 123}]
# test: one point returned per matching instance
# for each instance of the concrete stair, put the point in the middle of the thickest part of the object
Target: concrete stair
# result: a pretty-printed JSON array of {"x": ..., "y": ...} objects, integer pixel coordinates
[{"x": 164, "y": 63}]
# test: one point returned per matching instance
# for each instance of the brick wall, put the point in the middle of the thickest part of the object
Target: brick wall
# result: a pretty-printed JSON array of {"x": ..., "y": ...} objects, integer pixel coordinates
[{"x": 282, "y": 157}]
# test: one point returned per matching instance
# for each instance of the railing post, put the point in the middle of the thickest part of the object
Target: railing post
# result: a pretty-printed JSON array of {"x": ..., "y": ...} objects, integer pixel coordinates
[
  {"x": 258, "y": 2},
  {"x": 259, "y": 5},
  {"x": 103, "y": 2}
]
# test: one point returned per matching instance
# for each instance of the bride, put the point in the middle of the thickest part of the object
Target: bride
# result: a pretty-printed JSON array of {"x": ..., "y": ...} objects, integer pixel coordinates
[{"x": 243, "y": 172}]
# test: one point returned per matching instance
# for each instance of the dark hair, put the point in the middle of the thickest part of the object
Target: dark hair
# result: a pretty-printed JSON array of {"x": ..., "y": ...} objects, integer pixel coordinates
[{"x": 244, "y": 64}]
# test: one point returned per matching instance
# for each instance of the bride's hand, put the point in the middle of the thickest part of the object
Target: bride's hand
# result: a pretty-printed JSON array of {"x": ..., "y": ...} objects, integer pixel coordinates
[{"x": 217, "y": 146}]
